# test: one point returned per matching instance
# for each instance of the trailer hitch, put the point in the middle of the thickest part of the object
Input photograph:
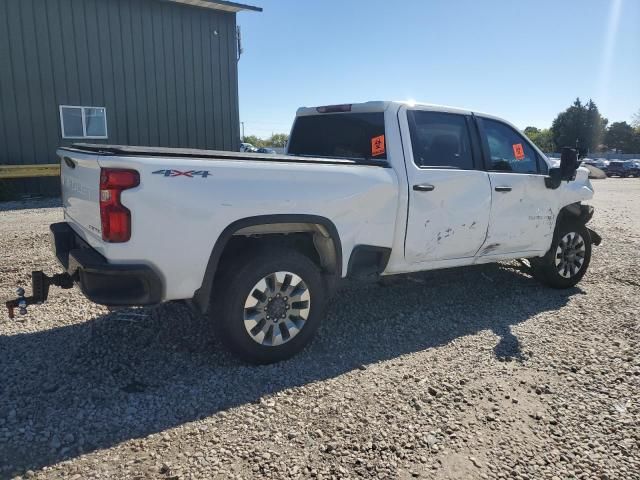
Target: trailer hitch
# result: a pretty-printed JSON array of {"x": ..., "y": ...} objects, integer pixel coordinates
[{"x": 40, "y": 284}]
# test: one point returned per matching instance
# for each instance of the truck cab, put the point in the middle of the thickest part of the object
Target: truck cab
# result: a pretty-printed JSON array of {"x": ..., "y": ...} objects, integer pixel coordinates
[{"x": 472, "y": 187}]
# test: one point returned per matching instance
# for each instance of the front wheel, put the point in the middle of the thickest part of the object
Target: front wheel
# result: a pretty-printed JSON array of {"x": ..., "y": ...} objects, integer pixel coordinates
[
  {"x": 268, "y": 305},
  {"x": 567, "y": 260}
]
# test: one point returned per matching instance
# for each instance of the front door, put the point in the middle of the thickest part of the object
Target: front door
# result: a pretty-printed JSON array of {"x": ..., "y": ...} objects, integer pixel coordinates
[
  {"x": 522, "y": 214},
  {"x": 449, "y": 200}
]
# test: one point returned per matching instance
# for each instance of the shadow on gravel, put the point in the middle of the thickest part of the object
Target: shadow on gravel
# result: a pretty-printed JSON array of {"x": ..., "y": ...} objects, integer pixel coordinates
[{"x": 131, "y": 373}]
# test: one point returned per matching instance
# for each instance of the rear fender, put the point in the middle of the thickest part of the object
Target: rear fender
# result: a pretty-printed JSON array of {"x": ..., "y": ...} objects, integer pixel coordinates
[{"x": 202, "y": 296}]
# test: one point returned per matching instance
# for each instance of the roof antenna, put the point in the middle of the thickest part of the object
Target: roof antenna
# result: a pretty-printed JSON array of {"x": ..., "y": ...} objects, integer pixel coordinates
[{"x": 239, "y": 40}]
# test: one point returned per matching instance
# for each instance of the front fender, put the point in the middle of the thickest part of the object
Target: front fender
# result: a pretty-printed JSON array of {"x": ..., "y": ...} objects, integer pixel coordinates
[{"x": 583, "y": 213}]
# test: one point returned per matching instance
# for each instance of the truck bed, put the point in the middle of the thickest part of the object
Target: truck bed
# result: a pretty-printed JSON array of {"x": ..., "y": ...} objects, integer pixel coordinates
[
  {"x": 186, "y": 153},
  {"x": 176, "y": 219}
]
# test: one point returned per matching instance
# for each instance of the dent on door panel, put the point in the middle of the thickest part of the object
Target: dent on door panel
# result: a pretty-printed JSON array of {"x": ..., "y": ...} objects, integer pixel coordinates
[{"x": 451, "y": 221}]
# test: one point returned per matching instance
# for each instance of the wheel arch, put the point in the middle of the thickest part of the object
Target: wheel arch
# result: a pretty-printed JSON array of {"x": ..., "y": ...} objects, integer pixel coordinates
[
  {"x": 575, "y": 211},
  {"x": 581, "y": 213},
  {"x": 326, "y": 240}
]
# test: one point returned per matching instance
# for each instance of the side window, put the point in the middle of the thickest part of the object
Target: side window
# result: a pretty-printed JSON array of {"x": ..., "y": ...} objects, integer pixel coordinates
[
  {"x": 508, "y": 150},
  {"x": 440, "y": 140}
]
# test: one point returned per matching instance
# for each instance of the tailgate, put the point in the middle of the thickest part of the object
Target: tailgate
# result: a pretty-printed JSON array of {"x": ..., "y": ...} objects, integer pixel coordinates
[{"x": 80, "y": 180}]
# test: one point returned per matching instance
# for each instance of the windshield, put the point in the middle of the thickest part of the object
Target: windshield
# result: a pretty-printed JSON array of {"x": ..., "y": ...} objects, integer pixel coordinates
[{"x": 341, "y": 135}]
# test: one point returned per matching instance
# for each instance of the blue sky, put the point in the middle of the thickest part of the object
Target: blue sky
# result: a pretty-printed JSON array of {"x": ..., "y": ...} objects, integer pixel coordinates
[{"x": 522, "y": 60}]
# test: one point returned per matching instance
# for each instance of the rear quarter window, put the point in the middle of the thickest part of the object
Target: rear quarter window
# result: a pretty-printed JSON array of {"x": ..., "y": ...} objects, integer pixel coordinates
[{"x": 341, "y": 135}]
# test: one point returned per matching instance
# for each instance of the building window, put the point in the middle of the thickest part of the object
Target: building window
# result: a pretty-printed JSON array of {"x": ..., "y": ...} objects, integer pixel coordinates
[{"x": 83, "y": 122}]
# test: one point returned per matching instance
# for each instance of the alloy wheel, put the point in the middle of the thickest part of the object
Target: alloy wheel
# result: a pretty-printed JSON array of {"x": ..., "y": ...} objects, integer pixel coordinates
[
  {"x": 277, "y": 308},
  {"x": 570, "y": 254}
]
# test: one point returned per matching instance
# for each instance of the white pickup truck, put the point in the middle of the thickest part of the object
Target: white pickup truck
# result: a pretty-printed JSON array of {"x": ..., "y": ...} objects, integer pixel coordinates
[{"x": 258, "y": 242}]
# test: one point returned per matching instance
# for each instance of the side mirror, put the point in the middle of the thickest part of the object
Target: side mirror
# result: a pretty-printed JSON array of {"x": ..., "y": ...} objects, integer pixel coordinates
[{"x": 569, "y": 163}]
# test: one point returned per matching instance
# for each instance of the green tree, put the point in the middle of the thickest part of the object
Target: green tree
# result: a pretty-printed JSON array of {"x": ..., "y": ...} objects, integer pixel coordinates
[
  {"x": 622, "y": 137},
  {"x": 596, "y": 126},
  {"x": 542, "y": 138},
  {"x": 278, "y": 140},
  {"x": 581, "y": 123},
  {"x": 635, "y": 120}
]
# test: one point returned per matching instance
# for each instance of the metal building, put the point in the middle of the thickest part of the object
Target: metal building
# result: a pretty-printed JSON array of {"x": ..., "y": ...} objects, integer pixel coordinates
[{"x": 136, "y": 72}]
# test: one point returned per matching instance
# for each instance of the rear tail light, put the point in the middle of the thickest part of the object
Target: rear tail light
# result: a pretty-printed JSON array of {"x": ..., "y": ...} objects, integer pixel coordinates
[
  {"x": 346, "y": 107},
  {"x": 115, "y": 217}
]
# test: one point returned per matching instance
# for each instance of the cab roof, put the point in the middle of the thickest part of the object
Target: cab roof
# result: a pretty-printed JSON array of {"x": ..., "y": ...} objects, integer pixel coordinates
[
  {"x": 383, "y": 105},
  {"x": 380, "y": 106}
]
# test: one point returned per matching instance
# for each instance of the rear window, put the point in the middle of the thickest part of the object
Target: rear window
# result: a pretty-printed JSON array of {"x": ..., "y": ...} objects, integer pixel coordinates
[{"x": 342, "y": 135}]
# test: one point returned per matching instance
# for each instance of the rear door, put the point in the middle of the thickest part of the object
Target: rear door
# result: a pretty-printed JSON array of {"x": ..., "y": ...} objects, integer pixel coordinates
[
  {"x": 449, "y": 194},
  {"x": 522, "y": 207}
]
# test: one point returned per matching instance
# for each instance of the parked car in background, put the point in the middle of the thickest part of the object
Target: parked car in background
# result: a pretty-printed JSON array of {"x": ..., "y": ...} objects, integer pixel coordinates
[
  {"x": 600, "y": 163},
  {"x": 270, "y": 151},
  {"x": 622, "y": 169},
  {"x": 597, "y": 167},
  {"x": 635, "y": 167},
  {"x": 247, "y": 147}
]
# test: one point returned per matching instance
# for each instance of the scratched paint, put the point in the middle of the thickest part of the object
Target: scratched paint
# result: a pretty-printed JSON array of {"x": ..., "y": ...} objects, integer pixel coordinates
[{"x": 489, "y": 248}]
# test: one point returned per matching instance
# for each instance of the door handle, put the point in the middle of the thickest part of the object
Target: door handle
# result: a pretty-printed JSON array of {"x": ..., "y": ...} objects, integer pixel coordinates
[
  {"x": 424, "y": 188},
  {"x": 503, "y": 189}
]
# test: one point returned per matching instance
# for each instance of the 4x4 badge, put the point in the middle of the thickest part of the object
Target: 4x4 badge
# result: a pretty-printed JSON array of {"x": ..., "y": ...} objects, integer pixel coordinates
[{"x": 179, "y": 173}]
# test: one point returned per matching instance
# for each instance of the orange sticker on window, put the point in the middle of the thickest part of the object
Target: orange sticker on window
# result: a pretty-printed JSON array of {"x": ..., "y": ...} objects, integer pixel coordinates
[
  {"x": 518, "y": 151},
  {"x": 377, "y": 146}
]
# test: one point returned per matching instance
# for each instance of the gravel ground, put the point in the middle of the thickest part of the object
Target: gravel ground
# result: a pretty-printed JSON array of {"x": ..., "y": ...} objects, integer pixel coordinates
[{"x": 472, "y": 373}]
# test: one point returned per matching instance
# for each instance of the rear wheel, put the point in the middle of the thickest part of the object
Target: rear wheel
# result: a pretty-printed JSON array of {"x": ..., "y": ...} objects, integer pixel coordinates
[
  {"x": 567, "y": 260},
  {"x": 268, "y": 306}
]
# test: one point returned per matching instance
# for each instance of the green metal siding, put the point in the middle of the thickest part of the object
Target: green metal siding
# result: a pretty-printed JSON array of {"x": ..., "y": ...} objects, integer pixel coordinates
[{"x": 164, "y": 75}]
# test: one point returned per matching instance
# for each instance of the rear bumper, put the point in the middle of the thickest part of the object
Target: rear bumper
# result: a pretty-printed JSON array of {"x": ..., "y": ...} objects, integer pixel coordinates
[{"x": 100, "y": 281}]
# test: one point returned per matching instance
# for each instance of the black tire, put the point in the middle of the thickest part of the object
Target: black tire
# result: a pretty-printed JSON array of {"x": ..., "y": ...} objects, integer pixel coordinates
[
  {"x": 236, "y": 283},
  {"x": 548, "y": 272}
]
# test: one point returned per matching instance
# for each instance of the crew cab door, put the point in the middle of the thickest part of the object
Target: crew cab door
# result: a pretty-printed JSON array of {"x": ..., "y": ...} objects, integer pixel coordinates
[
  {"x": 449, "y": 195},
  {"x": 522, "y": 208}
]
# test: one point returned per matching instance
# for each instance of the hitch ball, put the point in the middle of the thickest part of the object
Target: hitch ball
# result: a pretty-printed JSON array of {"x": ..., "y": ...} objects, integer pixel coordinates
[{"x": 40, "y": 284}]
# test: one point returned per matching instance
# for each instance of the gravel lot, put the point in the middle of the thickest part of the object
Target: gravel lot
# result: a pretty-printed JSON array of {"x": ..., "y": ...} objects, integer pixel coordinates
[{"x": 474, "y": 373}]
